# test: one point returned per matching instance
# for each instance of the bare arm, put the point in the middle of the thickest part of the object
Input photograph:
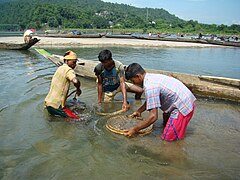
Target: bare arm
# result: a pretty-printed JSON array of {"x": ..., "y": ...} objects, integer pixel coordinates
[
  {"x": 152, "y": 117},
  {"x": 142, "y": 108},
  {"x": 139, "y": 111},
  {"x": 99, "y": 88},
  {"x": 77, "y": 84},
  {"x": 125, "y": 105}
]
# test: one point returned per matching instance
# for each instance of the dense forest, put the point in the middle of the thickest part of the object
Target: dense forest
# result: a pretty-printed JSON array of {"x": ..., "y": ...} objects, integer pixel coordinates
[{"x": 96, "y": 14}]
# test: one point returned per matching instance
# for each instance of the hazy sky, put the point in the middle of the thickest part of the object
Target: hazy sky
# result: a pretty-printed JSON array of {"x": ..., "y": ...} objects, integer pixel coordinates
[{"x": 204, "y": 11}]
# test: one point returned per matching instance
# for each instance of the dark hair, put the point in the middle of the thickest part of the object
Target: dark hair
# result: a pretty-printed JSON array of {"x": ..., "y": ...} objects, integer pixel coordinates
[
  {"x": 105, "y": 55},
  {"x": 134, "y": 69},
  {"x": 66, "y": 53}
]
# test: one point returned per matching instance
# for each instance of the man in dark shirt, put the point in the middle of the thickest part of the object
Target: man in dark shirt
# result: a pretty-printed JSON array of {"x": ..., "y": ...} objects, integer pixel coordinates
[{"x": 111, "y": 80}]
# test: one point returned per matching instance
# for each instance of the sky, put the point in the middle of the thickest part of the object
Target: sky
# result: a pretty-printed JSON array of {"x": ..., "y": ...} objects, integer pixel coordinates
[{"x": 204, "y": 11}]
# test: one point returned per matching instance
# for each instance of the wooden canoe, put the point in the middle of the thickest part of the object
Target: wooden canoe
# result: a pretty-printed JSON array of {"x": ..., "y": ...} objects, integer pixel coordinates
[
  {"x": 172, "y": 39},
  {"x": 71, "y": 35},
  {"x": 120, "y": 36},
  {"x": 206, "y": 86},
  {"x": 202, "y": 41},
  {"x": 224, "y": 43},
  {"x": 23, "y": 46}
]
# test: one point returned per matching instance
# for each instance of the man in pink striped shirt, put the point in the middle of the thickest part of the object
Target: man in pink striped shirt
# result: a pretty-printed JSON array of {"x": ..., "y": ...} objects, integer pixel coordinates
[{"x": 164, "y": 92}]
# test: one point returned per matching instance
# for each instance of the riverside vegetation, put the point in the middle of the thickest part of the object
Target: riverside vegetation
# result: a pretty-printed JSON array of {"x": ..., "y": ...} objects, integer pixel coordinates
[{"x": 96, "y": 14}]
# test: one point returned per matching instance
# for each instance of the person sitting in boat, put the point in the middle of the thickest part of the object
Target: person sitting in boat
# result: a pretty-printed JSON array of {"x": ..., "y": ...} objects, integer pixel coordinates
[
  {"x": 27, "y": 36},
  {"x": 57, "y": 96},
  {"x": 111, "y": 80},
  {"x": 164, "y": 92}
]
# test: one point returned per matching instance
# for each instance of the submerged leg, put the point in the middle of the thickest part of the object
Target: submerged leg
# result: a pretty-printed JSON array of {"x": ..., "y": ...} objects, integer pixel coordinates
[{"x": 165, "y": 118}]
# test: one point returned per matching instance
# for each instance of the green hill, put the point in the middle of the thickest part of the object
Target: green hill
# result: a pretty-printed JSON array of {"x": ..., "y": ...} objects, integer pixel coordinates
[
  {"x": 79, "y": 14},
  {"x": 95, "y": 14}
]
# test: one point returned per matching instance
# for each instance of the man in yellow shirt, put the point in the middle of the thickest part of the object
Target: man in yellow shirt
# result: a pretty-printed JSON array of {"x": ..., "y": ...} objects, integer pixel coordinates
[{"x": 57, "y": 96}]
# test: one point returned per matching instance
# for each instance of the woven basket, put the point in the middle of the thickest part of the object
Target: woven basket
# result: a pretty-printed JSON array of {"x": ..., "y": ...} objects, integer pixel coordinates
[{"x": 119, "y": 124}]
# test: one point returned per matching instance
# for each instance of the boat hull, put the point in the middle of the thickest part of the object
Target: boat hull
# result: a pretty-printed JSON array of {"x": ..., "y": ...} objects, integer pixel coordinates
[
  {"x": 202, "y": 41},
  {"x": 71, "y": 35},
  {"x": 207, "y": 86},
  {"x": 23, "y": 46}
]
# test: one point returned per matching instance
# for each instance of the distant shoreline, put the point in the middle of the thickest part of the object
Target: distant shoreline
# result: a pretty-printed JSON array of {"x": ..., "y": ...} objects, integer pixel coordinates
[{"x": 104, "y": 42}]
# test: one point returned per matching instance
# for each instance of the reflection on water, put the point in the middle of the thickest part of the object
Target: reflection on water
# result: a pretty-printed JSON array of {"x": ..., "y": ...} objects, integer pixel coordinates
[{"x": 35, "y": 145}]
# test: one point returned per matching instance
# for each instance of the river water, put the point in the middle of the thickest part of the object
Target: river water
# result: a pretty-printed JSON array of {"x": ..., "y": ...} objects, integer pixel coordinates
[{"x": 37, "y": 146}]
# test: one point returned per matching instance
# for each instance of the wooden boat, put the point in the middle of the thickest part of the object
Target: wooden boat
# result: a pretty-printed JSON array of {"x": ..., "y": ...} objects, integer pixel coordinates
[
  {"x": 224, "y": 43},
  {"x": 52, "y": 31},
  {"x": 206, "y": 86},
  {"x": 23, "y": 46},
  {"x": 71, "y": 35},
  {"x": 193, "y": 40},
  {"x": 172, "y": 39},
  {"x": 120, "y": 36}
]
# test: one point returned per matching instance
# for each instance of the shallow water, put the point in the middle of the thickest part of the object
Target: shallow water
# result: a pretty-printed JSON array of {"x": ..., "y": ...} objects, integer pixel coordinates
[{"x": 37, "y": 146}]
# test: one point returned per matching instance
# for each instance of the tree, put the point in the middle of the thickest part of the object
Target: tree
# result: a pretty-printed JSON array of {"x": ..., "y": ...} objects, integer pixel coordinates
[
  {"x": 100, "y": 22},
  {"x": 52, "y": 22}
]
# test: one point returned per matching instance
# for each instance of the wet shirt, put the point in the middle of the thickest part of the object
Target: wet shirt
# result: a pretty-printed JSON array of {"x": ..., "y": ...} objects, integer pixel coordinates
[
  {"x": 59, "y": 86},
  {"x": 110, "y": 79},
  {"x": 168, "y": 94}
]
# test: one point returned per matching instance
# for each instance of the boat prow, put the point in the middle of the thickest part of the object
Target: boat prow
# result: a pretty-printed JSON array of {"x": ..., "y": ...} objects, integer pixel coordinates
[{"x": 22, "y": 46}]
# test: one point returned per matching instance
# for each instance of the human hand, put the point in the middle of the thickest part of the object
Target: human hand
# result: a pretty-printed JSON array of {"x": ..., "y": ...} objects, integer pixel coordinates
[
  {"x": 130, "y": 132},
  {"x": 135, "y": 114},
  {"x": 125, "y": 106},
  {"x": 79, "y": 92}
]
